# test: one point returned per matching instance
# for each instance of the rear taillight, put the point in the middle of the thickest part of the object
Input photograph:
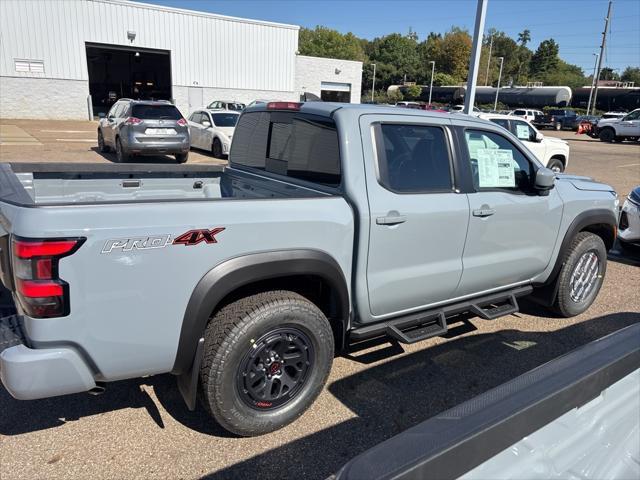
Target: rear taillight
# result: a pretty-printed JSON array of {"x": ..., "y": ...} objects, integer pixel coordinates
[
  {"x": 40, "y": 290},
  {"x": 283, "y": 106},
  {"x": 182, "y": 122},
  {"x": 132, "y": 121}
]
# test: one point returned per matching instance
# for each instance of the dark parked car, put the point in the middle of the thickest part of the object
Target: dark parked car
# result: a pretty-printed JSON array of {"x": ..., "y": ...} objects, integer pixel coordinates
[
  {"x": 556, "y": 119},
  {"x": 135, "y": 127}
]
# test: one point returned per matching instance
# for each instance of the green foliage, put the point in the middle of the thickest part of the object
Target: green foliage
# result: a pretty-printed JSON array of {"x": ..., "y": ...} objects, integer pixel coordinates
[
  {"x": 545, "y": 59},
  {"x": 395, "y": 96},
  {"x": 413, "y": 92},
  {"x": 324, "y": 42},
  {"x": 397, "y": 56},
  {"x": 440, "y": 79},
  {"x": 607, "y": 73},
  {"x": 631, "y": 74}
]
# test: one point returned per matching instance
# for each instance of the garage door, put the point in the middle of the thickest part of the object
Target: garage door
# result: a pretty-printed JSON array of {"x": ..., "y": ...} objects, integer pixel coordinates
[{"x": 335, "y": 92}]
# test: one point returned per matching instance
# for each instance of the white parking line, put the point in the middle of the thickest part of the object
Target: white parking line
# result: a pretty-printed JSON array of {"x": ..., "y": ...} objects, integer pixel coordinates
[
  {"x": 75, "y": 140},
  {"x": 629, "y": 165},
  {"x": 67, "y": 131}
]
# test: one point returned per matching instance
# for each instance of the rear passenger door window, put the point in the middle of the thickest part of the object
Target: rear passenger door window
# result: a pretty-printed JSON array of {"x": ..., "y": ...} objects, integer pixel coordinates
[
  {"x": 413, "y": 159},
  {"x": 496, "y": 163}
]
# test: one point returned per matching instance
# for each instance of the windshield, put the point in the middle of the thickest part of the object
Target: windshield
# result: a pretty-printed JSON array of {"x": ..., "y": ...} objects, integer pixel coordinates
[
  {"x": 156, "y": 112},
  {"x": 225, "y": 119}
]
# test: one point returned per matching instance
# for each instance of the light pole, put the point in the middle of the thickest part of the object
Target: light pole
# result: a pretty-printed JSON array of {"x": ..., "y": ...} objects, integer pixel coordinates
[
  {"x": 593, "y": 80},
  {"x": 474, "y": 61},
  {"x": 495, "y": 105},
  {"x": 486, "y": 79},
  {"x": 433, "y": 69},
  {"x": 373, "y": 83}
]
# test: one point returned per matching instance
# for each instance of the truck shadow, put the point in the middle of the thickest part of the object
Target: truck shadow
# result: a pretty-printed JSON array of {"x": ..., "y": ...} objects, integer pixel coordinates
[{"x": 398, "y": 394}]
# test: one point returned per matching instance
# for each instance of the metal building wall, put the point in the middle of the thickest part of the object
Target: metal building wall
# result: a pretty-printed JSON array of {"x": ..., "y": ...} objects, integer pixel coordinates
[{"x": 206, "y": 50}]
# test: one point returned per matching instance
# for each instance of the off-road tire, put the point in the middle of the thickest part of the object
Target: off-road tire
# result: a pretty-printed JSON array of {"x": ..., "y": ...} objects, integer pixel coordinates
[
  {"x": 234, "y": 332},
  {"x": 607, "y": 135},
  {"x": 182, "y": 157},
  {"x": 216, "y": 148},
  {"x": 583, "y": 243}
]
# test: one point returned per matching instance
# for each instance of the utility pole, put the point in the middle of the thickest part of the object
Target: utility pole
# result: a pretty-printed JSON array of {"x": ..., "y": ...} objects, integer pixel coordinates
[
  {"x": 486, "y": 79},
  {"x": 433, "y": 69},
  {"x": 495, "y": 105},
  {"x": 593, "y": 79},
  {"x": 373, "y": 83},
  {"x": 474, "y": 61},
  {"x": 604, "y": 41}
]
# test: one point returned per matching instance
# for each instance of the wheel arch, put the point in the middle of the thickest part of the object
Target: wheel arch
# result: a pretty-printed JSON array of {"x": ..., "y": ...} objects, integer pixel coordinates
[
  {"x": 264, "y": 271},
  {"x": 601, "y": 222}
]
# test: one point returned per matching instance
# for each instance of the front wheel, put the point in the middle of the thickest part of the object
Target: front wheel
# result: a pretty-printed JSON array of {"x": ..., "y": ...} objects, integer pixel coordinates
[
  {"x": 558, "y": 126},
  {"x": 556, "y": 165},
  {"x": 582, "y": 274},
  {"x": 607, "y": 135},
  {"x": 182, "y": 157},
  {"x": 102, "y": 147},
  {"x": 216, "y": 148},
  {"x": 266, "y": 359}
]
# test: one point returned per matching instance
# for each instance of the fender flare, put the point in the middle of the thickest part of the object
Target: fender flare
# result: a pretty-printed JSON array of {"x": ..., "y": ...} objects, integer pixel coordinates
[
  {"x": 548, "y": 289},
  {"x": 237, "y": 272}
]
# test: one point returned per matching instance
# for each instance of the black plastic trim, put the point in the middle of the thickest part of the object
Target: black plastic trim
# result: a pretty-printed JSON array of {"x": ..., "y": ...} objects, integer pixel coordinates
[
  {"x": 240, "y": 271},
  {"x": 547, "y": 290},
  {"x": 458, "y": 440},
  {"x": 381, "y": 328}
]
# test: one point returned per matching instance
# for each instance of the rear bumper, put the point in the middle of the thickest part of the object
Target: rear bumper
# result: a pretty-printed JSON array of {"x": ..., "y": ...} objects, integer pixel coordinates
[
  {"x": 147, "y": 145},
  {"x": 29, "y": 374}
]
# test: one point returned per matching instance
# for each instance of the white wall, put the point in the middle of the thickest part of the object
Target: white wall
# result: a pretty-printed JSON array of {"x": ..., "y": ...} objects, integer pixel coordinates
[
  {"x": 312, "y": 71},
  {"x": 43, "y": 98},
  {"x": 212, "y": 50}
]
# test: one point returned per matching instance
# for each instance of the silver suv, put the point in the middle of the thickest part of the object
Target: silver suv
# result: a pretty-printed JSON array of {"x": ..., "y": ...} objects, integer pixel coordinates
[{"x": 142, "y": 127}]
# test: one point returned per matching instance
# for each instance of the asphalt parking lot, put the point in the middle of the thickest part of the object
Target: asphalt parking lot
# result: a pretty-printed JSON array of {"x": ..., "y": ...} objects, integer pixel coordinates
[{"x": 141, "y": 428}]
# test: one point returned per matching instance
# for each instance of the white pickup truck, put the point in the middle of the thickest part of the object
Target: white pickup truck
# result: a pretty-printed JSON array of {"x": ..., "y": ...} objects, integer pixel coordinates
[{"x": 620, "y": 129}]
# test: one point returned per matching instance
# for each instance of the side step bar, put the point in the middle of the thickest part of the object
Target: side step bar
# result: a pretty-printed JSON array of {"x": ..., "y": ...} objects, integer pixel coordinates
[
  {"x": 437, "y": 326},
  {"x": 431, "y": 323}
]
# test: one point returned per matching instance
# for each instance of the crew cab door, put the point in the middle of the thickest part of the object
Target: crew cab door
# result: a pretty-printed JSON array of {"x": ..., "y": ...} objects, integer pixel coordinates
[
  {"x": 417, "y": 220},
  {"x": 512, "y": 229}
]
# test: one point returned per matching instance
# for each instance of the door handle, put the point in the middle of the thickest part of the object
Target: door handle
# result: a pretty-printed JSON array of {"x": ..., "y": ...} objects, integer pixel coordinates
[
  {"x": 483, "y": 212},
  {"x": 391, "y": 220}
]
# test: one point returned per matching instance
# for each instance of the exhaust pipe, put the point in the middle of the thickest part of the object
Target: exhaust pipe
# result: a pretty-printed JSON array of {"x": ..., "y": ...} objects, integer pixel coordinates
[{"x": 98, "y": 389}]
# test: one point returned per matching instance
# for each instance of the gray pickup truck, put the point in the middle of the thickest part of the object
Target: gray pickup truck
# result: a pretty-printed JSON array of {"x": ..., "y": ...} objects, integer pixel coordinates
[{"x": 332, "y": 224}]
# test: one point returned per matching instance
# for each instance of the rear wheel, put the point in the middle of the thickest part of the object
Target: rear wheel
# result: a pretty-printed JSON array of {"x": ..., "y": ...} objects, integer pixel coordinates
[
  {"x": 607, "y": 135},
  {"x": 216, "y": 148},
  {"x": 582, "y": 274},
  {"x": 102, "y": 147},
  {"x": 267, "y": 357},
  {"x": 182, "y": 157},
  {"x": 121, "y": 154}
]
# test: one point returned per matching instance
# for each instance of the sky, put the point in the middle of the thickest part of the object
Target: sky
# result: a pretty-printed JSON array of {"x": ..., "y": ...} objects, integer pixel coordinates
[{"x": 575, "y": 24}]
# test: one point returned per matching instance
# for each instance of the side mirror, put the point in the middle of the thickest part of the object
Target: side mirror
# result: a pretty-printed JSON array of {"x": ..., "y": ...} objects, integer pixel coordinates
[
  {"x": 206, "y": 124},
  {"x": 545, "y": 180},
  {"x": 539, "y": 137}
]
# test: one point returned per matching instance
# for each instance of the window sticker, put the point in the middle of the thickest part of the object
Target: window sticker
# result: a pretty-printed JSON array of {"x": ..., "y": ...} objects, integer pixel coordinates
[
  {"x": 496, "y": 168},
  {"x": 522, "y": 132}
]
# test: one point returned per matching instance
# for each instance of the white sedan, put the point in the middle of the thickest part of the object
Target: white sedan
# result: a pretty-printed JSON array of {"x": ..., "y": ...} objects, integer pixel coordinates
[{"x": 212, "y": 130}]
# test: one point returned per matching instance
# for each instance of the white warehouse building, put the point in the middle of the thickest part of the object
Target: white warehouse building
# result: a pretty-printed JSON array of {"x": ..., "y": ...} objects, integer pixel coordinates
[{"x": 72, "y": 59}]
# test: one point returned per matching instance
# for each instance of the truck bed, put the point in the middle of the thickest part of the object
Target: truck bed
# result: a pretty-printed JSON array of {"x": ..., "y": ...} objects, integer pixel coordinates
[{"x": 58, "y": 184}]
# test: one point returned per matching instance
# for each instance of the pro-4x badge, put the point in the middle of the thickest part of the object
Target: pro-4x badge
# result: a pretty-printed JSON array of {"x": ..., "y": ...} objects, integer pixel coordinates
[{"x": 194, "y": 237}]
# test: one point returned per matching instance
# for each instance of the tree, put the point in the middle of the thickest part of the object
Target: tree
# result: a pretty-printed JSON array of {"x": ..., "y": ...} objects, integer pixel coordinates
[
  {"x": 324, "y": 42},
  {"x": 440, "y": 79},
  {"x": 455, "y": 53},
  {"x": 413, "y": 91},
  {"x": 395, "y": 95},
  {"x": 607, "y": 73},
  {"x": 524, "y": 37},
  {"x": 565, "y": 74},
  {"x": 545, "y": 59},
  {"x": 631, "y": 74}
]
